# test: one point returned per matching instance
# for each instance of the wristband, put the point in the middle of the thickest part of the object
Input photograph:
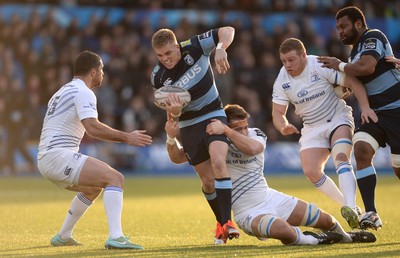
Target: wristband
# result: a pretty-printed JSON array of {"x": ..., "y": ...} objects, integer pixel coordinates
[
  {"x": 176, "y": 116},
  {"x": 342, "y": 65},
  {"x": 219, "y": 45},
  {"x": 171, "y": 141}
]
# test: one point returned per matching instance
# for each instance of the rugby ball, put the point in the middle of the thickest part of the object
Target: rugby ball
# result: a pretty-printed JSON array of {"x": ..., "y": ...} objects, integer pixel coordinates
[
  {"x": 161, "y": 95},
  {"x": 342, "y": 92}
]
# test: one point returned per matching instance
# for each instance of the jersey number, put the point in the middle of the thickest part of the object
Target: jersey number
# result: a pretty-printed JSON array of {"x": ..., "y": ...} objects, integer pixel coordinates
[{"x": 53, "y": 105}]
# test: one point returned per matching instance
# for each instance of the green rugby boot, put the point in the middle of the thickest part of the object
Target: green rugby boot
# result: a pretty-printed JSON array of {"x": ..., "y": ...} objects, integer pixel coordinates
[
  {"x": 121, "y": 243},
  {"x": 57, "y": 241}
]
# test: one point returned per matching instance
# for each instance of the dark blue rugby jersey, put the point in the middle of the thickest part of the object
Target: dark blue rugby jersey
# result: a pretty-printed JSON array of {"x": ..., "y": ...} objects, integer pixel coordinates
[
  {"x": 383, "y": 86},
  {"x": 194, "y": 73}
]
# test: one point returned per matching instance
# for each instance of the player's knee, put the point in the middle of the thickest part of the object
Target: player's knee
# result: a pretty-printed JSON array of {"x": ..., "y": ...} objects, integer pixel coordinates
[
  {"x": 396, "y": 164},
  {"x": 311, "y": 215},
  {"x": 115, "y": 179},
  {"x": 365, "y": 147},
  {"x": 341, "y": 150},
  {"x": 264, "y": 225},
  {"x": 312, "y": 174}
]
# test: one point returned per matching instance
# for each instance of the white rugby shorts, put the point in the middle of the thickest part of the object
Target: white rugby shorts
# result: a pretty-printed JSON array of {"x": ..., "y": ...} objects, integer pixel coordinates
[
  {"x": 318, "y": 136},
  {"x": 62, "y": 166},
  {"x": 275, "y": 203}
]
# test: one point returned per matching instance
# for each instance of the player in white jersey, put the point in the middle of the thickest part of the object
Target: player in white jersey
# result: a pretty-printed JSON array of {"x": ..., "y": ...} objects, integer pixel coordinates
[
  {"x": 72, "y": 112},
  {"x": 327, "y": 121},
  {"x": 258, "y": 210}
]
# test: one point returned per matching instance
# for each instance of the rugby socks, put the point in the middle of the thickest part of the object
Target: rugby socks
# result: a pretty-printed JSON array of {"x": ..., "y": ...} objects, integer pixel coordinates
[
  {"x": 113, "y": 205},
  {"x": 366, "y": 180},
  {"x": 223, "y": 188},
  {"x": 79, "y": 206},
  {"x": 303, "y": 239},
  {"x": 326, "y": 185},
  {"x": 213, "y": 202},
  {"x": 347, "y": 183},
  {"x": 338, "y": 229}
]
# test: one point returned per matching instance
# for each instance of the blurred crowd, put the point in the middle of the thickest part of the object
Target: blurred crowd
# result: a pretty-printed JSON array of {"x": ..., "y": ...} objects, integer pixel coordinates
[{"x": 36, "y": 57}]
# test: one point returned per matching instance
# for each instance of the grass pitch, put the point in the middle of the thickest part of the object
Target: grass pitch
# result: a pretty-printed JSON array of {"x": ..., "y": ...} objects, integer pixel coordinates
[{"x": 169, "y": 217}]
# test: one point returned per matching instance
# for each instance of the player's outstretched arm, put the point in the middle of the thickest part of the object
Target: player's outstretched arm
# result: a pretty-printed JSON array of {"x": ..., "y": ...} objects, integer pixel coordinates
[
  {"x": 225, "y": 37},
  {"x": 280, "y": 121},
  {"x": 364, "y": 66},
  {"x": 367, "y": 114},
  {"x": 101, "y": 131}
]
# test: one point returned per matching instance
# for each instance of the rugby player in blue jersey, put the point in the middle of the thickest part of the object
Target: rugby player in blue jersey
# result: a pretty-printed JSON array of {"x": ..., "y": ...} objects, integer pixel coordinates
[
  {"x": 382, "y": 82},
  {"x": 187, "y": 65}
]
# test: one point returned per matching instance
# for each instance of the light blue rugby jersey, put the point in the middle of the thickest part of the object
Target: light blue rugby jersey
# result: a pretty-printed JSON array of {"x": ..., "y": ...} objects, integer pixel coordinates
[{"x": 383, "y": 86}]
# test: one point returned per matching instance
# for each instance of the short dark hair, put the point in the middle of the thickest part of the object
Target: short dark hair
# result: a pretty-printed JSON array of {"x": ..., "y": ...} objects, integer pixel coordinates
[
  {"x": 235, "y": 112},
  {"x": 353, "y": 13},
  {"x": 85, "y": 62}
]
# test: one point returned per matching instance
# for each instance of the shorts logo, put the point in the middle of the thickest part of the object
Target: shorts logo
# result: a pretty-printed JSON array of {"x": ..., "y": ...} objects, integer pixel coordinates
[
  {"x": 67, "y": 171},
  {"x": 77, "y": 156},
  {"x": 189, "y": 60},
  {"x": 370, "y": 44}
]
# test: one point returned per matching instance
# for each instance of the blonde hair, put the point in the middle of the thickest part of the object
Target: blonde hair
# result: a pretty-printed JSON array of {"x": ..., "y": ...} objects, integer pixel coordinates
[
  {"x": 163, "y": 37},
  {"x": 292, "y": 44}
]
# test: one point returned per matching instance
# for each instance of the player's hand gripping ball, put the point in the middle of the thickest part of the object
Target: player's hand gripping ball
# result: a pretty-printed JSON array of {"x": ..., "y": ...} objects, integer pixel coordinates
[{"x": 161, "y": 95}]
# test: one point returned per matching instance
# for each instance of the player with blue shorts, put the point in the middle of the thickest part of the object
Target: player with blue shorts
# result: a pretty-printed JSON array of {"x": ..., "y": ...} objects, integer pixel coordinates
[
  {"x": 367, "y": 61},
  {"x": 187, "y": 65}
]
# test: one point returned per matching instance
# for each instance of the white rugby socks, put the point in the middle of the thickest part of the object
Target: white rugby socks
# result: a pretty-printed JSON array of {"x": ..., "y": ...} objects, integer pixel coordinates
[
  {"x": 113, "y": 199},
  {"x": 79, "y": 206}
]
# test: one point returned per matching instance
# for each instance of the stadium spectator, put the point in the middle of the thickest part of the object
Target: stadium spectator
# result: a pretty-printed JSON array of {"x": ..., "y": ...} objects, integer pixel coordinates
[
  {"x": 382, "y": 82},
  {"x": 17, "y": 116},
  {"x": 53, "y": 40},
  {"x": 259, "y": 210},
  {"x": 187, "y": 64},
  {"x": 72, "y": 112},
  {"x": 327, "y": 121}
]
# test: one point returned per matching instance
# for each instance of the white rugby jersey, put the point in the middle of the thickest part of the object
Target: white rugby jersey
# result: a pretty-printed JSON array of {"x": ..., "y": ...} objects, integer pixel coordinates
[
  {"x": 247, "y": 174},
  {"x": 62, "y": 126},
  {"x": 311, "y": 92}
]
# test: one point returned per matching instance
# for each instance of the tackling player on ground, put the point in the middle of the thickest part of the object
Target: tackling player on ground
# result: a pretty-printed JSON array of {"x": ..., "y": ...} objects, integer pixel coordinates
[{"x": 258, "y": 209}]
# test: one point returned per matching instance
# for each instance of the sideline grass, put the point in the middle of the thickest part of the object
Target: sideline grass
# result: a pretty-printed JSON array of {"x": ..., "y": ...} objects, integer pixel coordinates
[{"x": 170, "y": 218}]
